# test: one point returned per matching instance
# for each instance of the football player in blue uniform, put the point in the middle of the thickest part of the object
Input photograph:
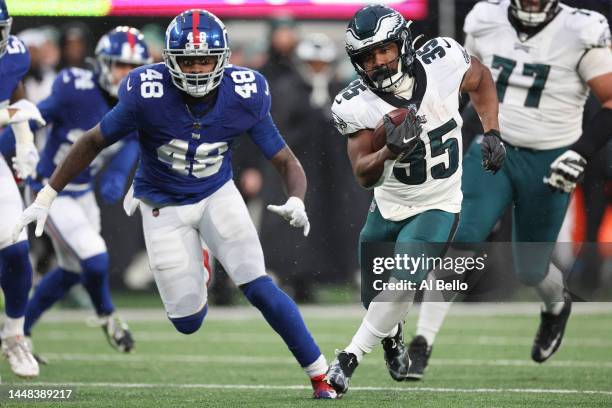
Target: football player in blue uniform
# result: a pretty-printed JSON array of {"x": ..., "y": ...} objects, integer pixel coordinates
[
  {"x": 188, "y": 111},
  {"x": 79, "y": 100},
  {"x": 15, "y": 268}
]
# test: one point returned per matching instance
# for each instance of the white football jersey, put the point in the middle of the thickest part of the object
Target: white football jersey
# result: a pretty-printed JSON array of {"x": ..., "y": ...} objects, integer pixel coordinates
[
  {"x": 539, "y": 87},
  {"x": 430, "y": 177}
]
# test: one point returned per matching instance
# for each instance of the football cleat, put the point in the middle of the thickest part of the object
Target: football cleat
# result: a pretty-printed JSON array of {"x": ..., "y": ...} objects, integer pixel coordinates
[
  {"x": 116, "y": 331},
  {"x": 550, "y": 333},
  {"x": 419, "y": 353},
  {"x": 40, "y": 359},
  {"x": 16, "y": 350},
  {"x": 396, "y": 355},
  {"x": 340, "y": 371},
  {"x": 322, "y": 390}
]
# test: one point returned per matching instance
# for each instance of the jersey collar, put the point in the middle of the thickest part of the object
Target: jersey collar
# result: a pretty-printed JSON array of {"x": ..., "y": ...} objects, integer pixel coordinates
[{"x": 420, "y": 84}]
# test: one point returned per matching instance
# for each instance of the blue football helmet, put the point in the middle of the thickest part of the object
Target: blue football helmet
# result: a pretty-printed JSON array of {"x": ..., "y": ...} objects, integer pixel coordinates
[
  {"x": 5, "y": 26},
  {"x": 196, "y": 33},
  {"x": 124, "y": 45}
]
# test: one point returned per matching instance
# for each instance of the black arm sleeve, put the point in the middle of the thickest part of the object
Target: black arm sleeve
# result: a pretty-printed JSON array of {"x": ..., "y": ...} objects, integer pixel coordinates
[{"x": 596, "y": 134}]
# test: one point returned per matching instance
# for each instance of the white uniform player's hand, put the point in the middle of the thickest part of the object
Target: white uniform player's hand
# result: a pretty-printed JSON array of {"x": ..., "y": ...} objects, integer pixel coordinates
[
  {"x": 37, "y": 211},
  {"x": 294, "y": 212},
  {"x": 566, "y": 171},
  {"x": 26, "y": 111},
  {"x": 26, "y": 159}
]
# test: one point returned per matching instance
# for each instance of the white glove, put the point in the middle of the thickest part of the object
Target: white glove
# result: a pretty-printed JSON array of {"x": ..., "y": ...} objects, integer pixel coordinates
[
  {"x": 566, "y": 171},
  {"x": 37, "y": 211},
  {"x": 26, "y": 111},
  {"x": 130, "y": 204},
  {"x": 294, "y": 212},
  {"x": 26, "y": 157}
]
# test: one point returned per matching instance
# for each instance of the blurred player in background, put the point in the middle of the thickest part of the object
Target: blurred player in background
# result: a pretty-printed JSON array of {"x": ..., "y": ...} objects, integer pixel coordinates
[
  {"x": 545, "y": 57},
  {"x": 79, "y": 100},
  {"x": 15, "y": 268},
  {"x": 187, "y": 112},
  {"x": 416, "y": 176}
]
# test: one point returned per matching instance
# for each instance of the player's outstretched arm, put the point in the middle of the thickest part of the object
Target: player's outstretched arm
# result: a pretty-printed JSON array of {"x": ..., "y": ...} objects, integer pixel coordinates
[
  {"x": 568, "y": 169},
  {"x": 478, "y": 82},
  {"x": 80, "y": 155},
  {"x": 369, "y": 167},
  {"x": 294, "y": 180}
]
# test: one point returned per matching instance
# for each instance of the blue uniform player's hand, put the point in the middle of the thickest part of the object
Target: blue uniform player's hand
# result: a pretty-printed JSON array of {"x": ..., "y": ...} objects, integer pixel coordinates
[
  {"x": 111, "y": 186},
  {"x": 294, "y": 212}
]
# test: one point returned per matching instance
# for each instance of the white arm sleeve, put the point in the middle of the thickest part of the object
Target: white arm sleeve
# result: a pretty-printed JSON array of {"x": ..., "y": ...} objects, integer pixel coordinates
[{"x": 595, "y": 62}]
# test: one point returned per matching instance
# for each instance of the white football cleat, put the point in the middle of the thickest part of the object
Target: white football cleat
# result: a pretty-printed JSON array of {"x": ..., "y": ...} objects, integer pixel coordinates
[{"x": 16, "y": 350}]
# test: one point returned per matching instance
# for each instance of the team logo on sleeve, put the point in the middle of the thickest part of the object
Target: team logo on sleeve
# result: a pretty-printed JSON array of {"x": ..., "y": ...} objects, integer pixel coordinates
[
  {"x": 340, "y": 124},
  {"x": 604, "y": 39}
]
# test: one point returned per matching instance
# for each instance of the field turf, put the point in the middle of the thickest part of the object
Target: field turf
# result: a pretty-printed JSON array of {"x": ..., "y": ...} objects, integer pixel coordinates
[{"x": 481, "y": 359}]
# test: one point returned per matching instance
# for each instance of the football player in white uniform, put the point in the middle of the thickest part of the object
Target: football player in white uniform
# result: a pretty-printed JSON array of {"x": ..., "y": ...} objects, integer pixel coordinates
[
  {"x": 416, "y": 176},
  {"x": 544, "y": 56}
]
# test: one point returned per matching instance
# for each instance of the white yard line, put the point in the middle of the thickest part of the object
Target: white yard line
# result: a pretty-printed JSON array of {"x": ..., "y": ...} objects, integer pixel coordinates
[
  {"x": 325, "y": 312},
  {"x": 304, "y": 387},
  {"x": 246, "y": 360},
  {"x": 158, "y": 336}
]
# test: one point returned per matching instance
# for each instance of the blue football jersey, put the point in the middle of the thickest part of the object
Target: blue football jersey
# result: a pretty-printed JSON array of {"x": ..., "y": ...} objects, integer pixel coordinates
[
  {"x": 185, "y": 151},
  {"x": 76, "y": 104},
  {"x": 14, "y": 64}
]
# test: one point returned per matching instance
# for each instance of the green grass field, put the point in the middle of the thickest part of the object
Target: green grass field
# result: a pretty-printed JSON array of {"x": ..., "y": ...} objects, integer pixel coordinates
[{"x": 480, "y": 359}]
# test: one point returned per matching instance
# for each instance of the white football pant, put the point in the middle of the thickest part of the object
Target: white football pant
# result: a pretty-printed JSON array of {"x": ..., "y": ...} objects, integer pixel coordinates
[
  {"x": 11, "y": 206},
  {"x": 174, "y": 235}
]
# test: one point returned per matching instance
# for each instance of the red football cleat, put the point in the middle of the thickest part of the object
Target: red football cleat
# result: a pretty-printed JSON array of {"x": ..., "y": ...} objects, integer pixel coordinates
[{"x": 322, "y": 390}]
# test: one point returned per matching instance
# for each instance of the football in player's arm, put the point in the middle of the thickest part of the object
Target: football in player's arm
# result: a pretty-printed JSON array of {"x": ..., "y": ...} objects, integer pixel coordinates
[
  {"x": 416, "y": 175},
  {"x": 369, "y": 165}
]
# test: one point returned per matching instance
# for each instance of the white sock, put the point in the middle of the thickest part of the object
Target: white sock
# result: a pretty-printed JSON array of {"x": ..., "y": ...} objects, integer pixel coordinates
[
  {"x": 431, "y": 317},
  {"x": 379, "y": 322},
  {"x": 12, "y": 327},
  {"x": 319, "y": 367},
  {"x": 551, "y": 290},
  {"x": 364, "y": 340}
]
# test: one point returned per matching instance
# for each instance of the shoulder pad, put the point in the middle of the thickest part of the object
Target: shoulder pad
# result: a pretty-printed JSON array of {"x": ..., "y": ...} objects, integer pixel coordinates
[
  {"x": 133, "y": 86},
  {"x": 16, "y": 46},
  {"x": 485, "y": 17},
  {"x": 74, "y": 79},
  {"x": 443, "y": 50},
  {"x": 446, "y": 62},
  {"x": 18, "y": 57},
  {"x": 590, "y": 27},
  {"x": 250, "y": 88},
  {"x": 348, "y": 107}
]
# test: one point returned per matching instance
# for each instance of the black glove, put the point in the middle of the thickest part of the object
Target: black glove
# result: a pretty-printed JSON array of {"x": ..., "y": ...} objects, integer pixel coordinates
[
  {"x": 493, "y": 151},
  {"x": 403, "y": 138}
]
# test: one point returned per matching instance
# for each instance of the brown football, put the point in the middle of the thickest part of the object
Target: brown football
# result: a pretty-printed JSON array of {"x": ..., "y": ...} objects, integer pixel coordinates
[{"x": 379, "y": 137}]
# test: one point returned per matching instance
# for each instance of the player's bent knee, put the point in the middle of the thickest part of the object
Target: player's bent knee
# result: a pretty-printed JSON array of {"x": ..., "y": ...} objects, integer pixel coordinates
[
  {"x": 469, "y": 233},
  {"x": 16, "y": 253},
  {"x": 95, "y": 267},
  {"x": 190, "y": 324}
]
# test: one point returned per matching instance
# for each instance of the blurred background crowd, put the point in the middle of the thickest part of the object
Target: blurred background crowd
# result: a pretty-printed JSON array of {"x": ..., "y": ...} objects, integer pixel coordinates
[{"x": 306, "y": 65}]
